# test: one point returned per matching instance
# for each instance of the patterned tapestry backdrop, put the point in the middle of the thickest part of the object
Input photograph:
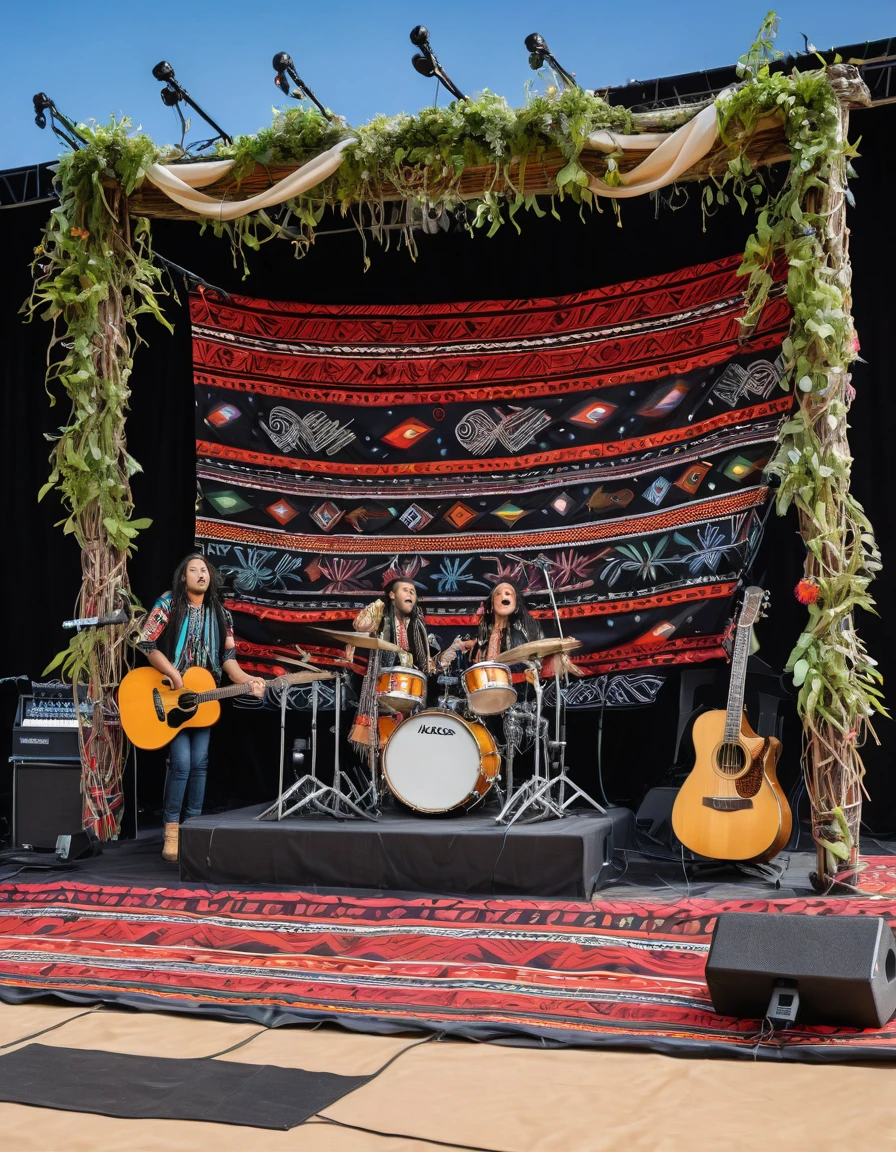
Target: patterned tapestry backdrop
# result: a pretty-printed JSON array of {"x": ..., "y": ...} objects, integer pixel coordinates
[{"x": 617, "y": 436}]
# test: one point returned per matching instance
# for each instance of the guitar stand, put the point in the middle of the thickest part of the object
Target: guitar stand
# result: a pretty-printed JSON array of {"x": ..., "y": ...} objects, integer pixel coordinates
[
  {"x": 534, "y": 800},
  {"x": 341, "y": 799}
]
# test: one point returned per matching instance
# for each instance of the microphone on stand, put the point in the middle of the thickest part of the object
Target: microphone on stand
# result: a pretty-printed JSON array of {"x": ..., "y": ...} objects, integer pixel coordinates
[{"x": 122, "y": 616}]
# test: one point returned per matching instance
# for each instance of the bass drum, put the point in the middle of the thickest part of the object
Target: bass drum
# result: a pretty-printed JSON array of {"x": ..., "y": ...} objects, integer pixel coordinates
[{"x": 436, "y": 761}]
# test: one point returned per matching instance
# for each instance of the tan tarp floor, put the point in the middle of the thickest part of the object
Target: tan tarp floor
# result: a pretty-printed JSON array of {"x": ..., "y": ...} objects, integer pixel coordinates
[{"x": 468, "y": 1094}]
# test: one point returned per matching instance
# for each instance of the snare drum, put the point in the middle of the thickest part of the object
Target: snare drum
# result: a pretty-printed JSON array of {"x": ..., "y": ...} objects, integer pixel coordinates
[
  {"x": 436, "y": 761},
  {"x": 489, "y": 688},
  {"x": 401, "y": 689}
]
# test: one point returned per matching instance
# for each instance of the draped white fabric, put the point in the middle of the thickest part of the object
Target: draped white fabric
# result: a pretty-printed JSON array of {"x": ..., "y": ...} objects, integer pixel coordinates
[
  {"x": 671, "y": 154},
  {"x": 181, "y": 184},
  {"x": 676, "y": 154}
]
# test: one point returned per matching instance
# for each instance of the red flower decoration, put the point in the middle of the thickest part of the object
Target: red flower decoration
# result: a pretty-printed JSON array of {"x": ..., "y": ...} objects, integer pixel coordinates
[{"x": 807, "y": 591}]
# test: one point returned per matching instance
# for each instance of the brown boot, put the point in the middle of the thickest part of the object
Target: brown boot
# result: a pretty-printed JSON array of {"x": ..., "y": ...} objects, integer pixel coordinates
[{"x": 169, "y": 848}]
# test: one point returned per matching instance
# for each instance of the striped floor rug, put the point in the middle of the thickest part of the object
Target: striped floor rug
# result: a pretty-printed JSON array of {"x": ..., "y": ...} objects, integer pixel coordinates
[{"x": 608, "y": 972}]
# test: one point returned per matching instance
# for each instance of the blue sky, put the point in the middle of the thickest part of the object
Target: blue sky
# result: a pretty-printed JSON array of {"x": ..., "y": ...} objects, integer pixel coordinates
[{"x": 96, "y": 58}]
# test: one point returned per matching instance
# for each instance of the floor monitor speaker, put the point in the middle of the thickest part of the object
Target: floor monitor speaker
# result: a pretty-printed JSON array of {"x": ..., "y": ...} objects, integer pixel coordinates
[{"x": 843, "y": 968}]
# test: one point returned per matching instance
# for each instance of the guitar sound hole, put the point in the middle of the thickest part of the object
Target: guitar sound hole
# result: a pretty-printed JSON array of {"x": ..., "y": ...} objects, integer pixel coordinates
[{"x": 731, "y": 759}]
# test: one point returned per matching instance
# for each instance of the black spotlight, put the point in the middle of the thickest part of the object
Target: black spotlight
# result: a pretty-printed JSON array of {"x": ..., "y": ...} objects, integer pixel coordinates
[
  {"x": 540, "y": 54},
  {"x": 172, "y": 95},
  {"x": 284, "y": 66},
  {"x": 63, "y": 127},
  {"x": 427, "y": 64}
]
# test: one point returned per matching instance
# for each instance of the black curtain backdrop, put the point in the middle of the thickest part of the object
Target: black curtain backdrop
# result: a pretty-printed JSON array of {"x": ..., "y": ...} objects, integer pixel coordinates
[{"x": 41, "y": 573}]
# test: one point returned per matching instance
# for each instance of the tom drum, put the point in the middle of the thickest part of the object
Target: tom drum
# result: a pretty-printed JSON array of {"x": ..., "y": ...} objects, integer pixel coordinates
[
  {"x": 401, "y": 689},
  {"x": 436, "y": 761},
  {"x": 489, "y": 688}
]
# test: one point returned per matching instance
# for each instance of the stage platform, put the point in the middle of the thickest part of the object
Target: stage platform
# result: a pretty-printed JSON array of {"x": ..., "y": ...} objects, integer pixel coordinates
[{"x": 470, "y": 854}]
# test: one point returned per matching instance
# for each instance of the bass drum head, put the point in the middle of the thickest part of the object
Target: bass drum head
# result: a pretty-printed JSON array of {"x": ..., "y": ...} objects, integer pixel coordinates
[{"x": 432, "y": 761}]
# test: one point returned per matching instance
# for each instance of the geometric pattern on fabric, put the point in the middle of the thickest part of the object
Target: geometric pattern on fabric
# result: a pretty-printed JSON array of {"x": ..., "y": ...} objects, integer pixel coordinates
[
  {"x": 604, "y": 972},
  {"x": 613, "y": 438}
]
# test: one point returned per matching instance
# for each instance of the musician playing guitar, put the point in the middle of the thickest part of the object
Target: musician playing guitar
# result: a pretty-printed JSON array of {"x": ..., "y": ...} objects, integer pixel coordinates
[{"x": 189, "y": 627}]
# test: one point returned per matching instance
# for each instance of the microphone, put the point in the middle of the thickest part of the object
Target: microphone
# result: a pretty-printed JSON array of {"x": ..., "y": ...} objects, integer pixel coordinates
[
  {"x": 122, "y": 616},
  {"x": 433, "y": 642},
  {"x": 520, "y": 560}
]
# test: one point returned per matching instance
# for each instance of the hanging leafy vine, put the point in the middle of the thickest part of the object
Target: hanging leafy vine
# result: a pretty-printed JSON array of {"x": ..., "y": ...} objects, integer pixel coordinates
[
  {"x": 839, "y": 685},
  {"x": 94, "y": 275}
]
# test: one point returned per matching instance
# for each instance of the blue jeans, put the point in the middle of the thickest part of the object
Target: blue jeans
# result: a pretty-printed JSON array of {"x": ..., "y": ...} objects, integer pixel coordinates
[{"x": 187, "y": 767}]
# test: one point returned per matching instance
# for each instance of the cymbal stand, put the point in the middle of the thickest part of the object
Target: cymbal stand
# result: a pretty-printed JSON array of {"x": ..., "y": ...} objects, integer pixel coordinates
[
  {"x": 340, "y": 799},
  {"x": 526, "y": 802},
  {"x": 533, "y": 800}
]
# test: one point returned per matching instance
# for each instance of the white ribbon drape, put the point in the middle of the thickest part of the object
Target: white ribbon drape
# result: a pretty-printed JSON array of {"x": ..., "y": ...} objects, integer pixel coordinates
[
  {"x": 181, "y": 184},
  {"x": 675, "y": 155},
  {"x": 671, "y": 154}
]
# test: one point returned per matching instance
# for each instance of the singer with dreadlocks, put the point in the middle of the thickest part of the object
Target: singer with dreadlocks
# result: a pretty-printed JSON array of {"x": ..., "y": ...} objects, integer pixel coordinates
[
  {"x": 399, "y": 619},
  {"x": 506, "y": 622},
  {"x": 189, "y": 627}
]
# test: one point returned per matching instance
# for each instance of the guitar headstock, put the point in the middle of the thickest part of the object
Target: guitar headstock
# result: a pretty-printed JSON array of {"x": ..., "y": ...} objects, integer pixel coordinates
[{"x": 755, "y": 599}]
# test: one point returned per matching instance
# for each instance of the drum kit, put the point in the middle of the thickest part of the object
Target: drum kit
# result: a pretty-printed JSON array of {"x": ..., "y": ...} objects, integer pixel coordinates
[{"x": 445, "y": 760}]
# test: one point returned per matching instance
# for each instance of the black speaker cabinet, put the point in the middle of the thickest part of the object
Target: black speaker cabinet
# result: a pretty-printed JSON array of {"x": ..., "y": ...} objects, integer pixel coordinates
[
  {"x": 46, "y": 802},
  {"x": 844, "y": 967}
]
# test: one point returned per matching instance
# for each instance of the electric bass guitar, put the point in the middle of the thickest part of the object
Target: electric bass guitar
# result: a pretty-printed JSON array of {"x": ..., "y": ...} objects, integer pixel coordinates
[
  {"x": 152, "y": 712},
  {"x": 731, "y": 807}
]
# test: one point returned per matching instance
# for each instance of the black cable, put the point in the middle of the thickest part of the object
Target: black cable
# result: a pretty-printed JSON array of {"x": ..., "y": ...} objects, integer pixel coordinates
[
  {"x": 405, "y": 1136},
  {"x": 498, "y": 858},
  {"x": 233, "y": 1047},
  {"x": 600, "y": 750},
  {"x": 52, "y": 1028}
]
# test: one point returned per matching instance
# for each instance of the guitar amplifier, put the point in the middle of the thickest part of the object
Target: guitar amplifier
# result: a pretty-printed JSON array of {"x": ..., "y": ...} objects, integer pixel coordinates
[{"x": 46, "y": 802}]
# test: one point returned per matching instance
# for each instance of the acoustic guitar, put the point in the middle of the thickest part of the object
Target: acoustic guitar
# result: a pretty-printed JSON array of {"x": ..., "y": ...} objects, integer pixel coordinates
[
  {"x": 731, "y": 807},
  {"x": 152, "y": 712}
]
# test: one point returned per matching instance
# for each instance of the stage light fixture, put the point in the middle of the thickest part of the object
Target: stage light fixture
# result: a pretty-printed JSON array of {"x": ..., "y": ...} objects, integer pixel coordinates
[
  {"x": 284, "y": 66},
  {"x": 65, "y": 129},
  {"x": 540, "y": 54},
  {"x": 172, "y": 95},
  {"x": 426, "y": 63}
]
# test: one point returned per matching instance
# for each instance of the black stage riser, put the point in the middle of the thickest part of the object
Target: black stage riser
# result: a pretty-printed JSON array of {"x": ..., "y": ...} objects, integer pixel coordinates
[{"x": 566, "y": 858}]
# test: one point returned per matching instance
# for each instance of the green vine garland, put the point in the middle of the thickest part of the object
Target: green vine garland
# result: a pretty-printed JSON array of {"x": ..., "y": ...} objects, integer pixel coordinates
[{"x": 92, "y": 258}]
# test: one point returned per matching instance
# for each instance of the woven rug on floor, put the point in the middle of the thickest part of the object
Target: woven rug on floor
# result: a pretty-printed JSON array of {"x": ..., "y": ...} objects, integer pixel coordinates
[{"x": 607, "y": 972}]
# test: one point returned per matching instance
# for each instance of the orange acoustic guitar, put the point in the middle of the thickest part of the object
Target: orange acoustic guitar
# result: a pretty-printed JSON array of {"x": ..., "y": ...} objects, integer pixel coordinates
[
  {"x": 732, "y": 807},
  {"x": 152, "y": 713}
]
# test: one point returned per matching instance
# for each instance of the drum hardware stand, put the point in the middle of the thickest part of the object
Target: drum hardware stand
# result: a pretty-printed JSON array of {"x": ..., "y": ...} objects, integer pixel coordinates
[
  {"x": 446, "y": 701},
  {"x": 340, "y": 799},
  {"x": 533, "y": 800}
]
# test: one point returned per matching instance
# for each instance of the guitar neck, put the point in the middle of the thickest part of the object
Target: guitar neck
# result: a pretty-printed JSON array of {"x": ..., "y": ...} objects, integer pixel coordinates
[
  {"x": 242, "y": 689},
  {"x": 222, "y": 693},
  {"x": 734, "y": 711}
]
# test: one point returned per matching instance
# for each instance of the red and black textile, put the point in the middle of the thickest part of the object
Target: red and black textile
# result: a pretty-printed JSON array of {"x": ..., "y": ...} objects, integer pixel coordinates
[
  {"x": 616, "y": 437},
  {"x": 621, "y": 972}
]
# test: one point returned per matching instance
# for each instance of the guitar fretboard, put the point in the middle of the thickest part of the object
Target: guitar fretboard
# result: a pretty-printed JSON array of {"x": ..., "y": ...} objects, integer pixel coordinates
[{"x": 734, "y": 711}]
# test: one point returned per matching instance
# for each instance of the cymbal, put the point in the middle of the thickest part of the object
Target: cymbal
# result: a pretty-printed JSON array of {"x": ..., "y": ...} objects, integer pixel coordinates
[
  {"x": 538, "y": 649},
  {"x": 357, "y": 639}
]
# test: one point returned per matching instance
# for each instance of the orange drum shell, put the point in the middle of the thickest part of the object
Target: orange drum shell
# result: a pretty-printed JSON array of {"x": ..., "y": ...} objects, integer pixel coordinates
[
  {"x": 401, "y": 688},
  {"x": 490, "y": 758},
  {"x": 492, "y": 679}
]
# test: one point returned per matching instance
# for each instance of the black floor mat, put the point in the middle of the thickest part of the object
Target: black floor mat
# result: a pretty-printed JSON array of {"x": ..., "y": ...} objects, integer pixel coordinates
[{"x": 161, "y": 1088}]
